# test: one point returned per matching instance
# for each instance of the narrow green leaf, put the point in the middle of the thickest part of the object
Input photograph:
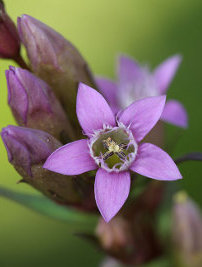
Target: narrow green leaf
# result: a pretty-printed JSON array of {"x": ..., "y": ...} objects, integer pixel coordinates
[{"x": 44, "y": 206}]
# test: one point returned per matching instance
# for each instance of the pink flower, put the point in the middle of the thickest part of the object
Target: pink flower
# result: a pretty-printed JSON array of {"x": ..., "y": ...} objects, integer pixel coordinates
[
  {"x": 113, "y": 147},
  {"x": 136, "y": 82}
]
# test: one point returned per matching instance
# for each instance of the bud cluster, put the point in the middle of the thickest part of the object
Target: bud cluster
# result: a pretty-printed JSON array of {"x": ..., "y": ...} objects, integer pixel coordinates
[{"x": 42, "y": 99}]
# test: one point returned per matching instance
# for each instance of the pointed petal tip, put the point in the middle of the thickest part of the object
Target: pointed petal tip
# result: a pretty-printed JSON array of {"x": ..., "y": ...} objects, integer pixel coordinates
[
  {"x": 83, "y": 86},
  {"x": 80, "y": 85},
  {"x": 165, "y": 72},
  {"x": 175, "y": 113},
  {"x": 127, "y": 68},
  {"x": 122, "y": 58},
  {"x": 155, "y": 163},
  {"x": 48, "y": 166},
  {"x": 111, "y": 192},
  {"x": 176, "y": 58},
  {"x": 92, "y": 109},
  {"x": 107, "y": 220}
]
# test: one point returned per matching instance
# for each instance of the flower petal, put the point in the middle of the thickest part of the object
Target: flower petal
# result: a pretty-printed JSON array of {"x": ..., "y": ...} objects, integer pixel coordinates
[
  {"x": 153, "y": 162},
  {"x": 175, "y": 113},
  {"x": 92, "y": 110},
  {"x": 128, "y": 70},
  {"x": 142, "y": 115},
  {"x": 165, "y": 72},
  {"x": 111, "y": 192},
  {"x": 71, "y": 159},
  {"x": 109, "y": 89}
]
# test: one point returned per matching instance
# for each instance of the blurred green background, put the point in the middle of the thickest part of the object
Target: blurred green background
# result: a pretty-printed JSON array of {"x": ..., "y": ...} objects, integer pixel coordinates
[{"x": 148, "y": 30}]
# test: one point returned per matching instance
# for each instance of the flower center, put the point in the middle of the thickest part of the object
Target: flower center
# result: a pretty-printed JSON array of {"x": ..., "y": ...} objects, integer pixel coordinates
[{"x": 113, "y": 149}]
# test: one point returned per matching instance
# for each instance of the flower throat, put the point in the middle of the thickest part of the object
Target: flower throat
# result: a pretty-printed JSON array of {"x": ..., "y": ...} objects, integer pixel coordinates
[{"x": 113, "y": 149}]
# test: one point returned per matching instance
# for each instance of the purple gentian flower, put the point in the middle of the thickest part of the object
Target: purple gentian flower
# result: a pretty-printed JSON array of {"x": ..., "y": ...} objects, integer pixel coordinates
[
  {"x": 114, "y": 148},
  {"x": 136, "y": 82}
]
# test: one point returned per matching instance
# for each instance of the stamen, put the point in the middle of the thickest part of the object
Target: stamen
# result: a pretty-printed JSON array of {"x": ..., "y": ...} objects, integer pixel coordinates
[
  {"x": 107, "y": 155},
  {"x": 113, "y": 149},
  {"x": 121, "y": 155}
]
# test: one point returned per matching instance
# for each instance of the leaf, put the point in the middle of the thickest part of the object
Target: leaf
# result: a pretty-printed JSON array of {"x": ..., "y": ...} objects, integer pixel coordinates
[
  {"x": 44, "y": 206},
  {"x": 194, "y": 156}
]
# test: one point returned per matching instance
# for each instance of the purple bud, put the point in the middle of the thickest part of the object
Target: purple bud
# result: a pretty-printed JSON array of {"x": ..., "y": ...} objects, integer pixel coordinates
[
  {"x": 34, "y": 104},
  {"x": 27, "y": 147},
  {"x": 9, "y": 39},
  {"x": 27, "y": 151},
  {"x": 55, "y": 60},
  {"x": 187, "y": 231}
]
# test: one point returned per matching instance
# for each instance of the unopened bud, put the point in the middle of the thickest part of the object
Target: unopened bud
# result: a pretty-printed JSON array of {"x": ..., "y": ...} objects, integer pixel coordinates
[
  {"x": 27, "y": 151},
  {"x": 187, "y": 231},
  {"x": 55, "y": 60},
  {"x": 27, "y": 147},
  {"x": 34, "y": 104},
  {"x": 9, "y": 39}
]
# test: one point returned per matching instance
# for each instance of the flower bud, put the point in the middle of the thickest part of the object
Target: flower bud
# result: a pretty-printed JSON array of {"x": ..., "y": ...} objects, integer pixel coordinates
[
  {"x": 34, "y": 104},
  {"x": 9, "y": 39},
  {"x": 115, "y": 235},
  {"x": 27, "y": 151},
  {"x": 26, "y": 147},
  {"x": 55, "y": 60},
  {"x": 187, "y": 231}
]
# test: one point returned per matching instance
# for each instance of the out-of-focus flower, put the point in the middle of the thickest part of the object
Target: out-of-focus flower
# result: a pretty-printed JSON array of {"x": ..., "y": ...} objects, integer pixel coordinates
[
  {"x": 9, "y": 39},
  {"x": 114, "y": 148},
  {"x": 27, "y": 151},
  {"x": 115, "y": 234},
  {"x": 55, "y": 60},
  {"x": 34, "y": 104},
  {"x": 136, "y": 82},
  {"x": 187, "y": 231}
]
